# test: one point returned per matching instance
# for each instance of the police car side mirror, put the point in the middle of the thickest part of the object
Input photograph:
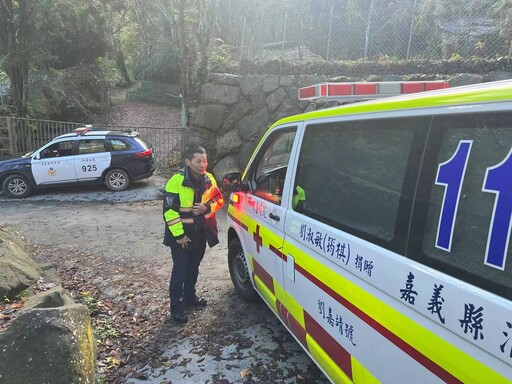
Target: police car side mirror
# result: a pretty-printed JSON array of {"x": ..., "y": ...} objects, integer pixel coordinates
[{"x": 232, "y": 182}]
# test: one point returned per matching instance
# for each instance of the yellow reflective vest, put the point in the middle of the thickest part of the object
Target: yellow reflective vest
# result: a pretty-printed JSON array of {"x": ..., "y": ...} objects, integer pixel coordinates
[{"x": 181, "y": 192}]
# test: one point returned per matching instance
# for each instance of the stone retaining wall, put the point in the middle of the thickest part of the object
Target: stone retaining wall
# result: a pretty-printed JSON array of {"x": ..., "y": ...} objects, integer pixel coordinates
[{"x": 234, "y": 112}]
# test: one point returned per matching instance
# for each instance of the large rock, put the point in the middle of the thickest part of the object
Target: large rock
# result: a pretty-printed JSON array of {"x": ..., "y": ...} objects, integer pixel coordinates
[
  {"x": 251, "y": 85},
  {"x": 51, "y": 340},
  {"x": 251, "y": 125},
  {"x": 270, "y": 83},
  {"x": 228, "y": 143},
  {"x": 52, "y": 298},
  {"x": 286, "y": 108},
  {"x": 276, "y": 99},
  {"x": 224, "y": 78},
  {"x": 49, "y": 345},
  {"x": 209, "y": 116},
  {"x": 201, "y": 136},
  {"x": 498, "y": 75},
  {"x": 287, "y": 80},
  {"x": 17, "y": 270},
  {"x": 307, "y": 80},
  {"x": 220, "y": 94},
  {"x": 258, "y": 101},
  {"x": 241, "y": 110},
  {"x": 465, "y": 79}
]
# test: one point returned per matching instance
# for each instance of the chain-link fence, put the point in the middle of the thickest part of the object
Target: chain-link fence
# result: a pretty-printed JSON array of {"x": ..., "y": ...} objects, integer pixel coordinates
[{"x": 367, "y": 29}]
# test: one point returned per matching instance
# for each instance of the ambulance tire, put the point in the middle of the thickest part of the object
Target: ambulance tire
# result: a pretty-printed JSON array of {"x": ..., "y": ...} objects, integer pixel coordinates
[
  {"x": 17, "y": 186},
  {"x": 117, "y": 180},
  {"x": 239, "y": 271}
]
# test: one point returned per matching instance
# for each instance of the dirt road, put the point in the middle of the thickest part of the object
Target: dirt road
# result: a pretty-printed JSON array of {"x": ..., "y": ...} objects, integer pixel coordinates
[{"x": 108, "y": 246}]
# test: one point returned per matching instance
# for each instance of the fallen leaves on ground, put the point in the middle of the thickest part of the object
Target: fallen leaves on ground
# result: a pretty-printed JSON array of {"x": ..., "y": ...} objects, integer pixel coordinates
[
  {"x": 245, "y": 373},
  {"x": 9, "y": 312},
  {"x": 128, "y": 313}
]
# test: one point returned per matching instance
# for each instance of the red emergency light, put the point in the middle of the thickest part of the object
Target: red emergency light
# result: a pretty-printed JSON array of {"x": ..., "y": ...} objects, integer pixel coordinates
[
  {"x": 81, "y": 130},
  {"x": 359, "y": 91}
]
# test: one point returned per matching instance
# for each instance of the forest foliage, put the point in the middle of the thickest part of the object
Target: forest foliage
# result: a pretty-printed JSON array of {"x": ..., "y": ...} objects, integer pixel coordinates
[{"x": 180, "y": 41}]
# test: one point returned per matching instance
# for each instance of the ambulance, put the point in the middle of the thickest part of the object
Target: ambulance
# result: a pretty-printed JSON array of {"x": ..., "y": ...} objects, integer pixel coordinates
[{"x": 378, "y": 232}]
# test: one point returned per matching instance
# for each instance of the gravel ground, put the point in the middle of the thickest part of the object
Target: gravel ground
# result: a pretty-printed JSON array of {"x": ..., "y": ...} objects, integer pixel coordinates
[
  {"x": 132, "y": 113},
  {"x": 108, "y": 250},
  {"x": 109, "y": 253}
]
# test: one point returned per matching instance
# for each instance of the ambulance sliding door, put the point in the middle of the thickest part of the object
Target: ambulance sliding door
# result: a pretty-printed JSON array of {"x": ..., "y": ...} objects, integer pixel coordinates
[
  {"x": 268, "y": 176},
  {"x": 354, "y": 184}
]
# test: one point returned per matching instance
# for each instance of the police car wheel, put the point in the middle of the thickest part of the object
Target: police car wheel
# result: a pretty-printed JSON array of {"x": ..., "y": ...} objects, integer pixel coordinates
[
  {"x": 117, "y": 180},
  {"x": 17, "y": 186},
  {"x": 240, "y": 272}
]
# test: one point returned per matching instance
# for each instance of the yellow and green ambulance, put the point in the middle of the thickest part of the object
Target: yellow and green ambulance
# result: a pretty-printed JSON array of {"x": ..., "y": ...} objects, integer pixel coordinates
[{"x": 378, "y": 232}]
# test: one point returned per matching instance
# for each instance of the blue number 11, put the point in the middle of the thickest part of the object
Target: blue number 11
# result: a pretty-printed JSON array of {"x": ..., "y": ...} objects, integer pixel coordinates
[
  {"x": 497, "y": 180},
  {"x": 451, "y": 175}
]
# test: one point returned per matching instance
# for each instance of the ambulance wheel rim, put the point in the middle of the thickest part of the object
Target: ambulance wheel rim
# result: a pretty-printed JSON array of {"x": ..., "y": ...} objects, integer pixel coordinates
[{"x": 241, "y": 271}]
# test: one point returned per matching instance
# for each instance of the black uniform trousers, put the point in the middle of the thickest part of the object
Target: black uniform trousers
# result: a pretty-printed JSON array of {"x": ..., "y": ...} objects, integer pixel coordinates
[{"x": 185, "y": 270}]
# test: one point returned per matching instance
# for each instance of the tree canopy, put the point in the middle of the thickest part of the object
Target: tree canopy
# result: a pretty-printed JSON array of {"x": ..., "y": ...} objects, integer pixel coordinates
[{"x": 179, "y": 41}]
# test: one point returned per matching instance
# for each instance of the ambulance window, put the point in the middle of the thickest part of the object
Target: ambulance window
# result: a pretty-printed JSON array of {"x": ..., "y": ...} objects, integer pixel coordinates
[
  {"x": 469, "y": 199},
  {"x": 268, "y": 172},
  {"x": 91, "y": 146},
  {"x": 359, "y": 176}
]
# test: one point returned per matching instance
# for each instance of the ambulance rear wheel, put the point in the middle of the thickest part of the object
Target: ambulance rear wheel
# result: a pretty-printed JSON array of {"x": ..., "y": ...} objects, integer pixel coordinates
[
  {"x": 239, "y": 271},
  {"x": 17, "y": 186},
  {"x": 117, "y": 180}
]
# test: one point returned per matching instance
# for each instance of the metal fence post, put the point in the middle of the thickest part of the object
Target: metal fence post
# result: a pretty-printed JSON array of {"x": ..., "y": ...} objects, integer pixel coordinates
[
  {"x": 368, "y": 29},
  {"x": 411, "y": 31},
  {"x": 509, "y": 52},
  {"x": 283, "y": 41},
  {"x": 11, "y": 133},
  {"x": 242, "y": 43},
  {"x": 329, "y": 35}
]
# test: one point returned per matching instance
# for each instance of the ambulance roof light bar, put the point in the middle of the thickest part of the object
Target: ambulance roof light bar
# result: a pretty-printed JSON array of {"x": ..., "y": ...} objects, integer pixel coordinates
[{"x": 359, "y": 91}]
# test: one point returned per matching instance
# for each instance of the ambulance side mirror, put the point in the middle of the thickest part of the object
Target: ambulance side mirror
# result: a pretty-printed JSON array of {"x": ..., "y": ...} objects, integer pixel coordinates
[{"x": 232, "y": 182}]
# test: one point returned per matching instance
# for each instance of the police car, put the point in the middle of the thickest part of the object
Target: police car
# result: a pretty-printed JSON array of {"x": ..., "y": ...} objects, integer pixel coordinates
[{"x": 115, "y": 158}]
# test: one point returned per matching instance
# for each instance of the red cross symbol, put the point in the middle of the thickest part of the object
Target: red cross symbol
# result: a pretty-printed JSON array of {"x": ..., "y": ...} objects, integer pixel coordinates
[{"x": 258, "y": 239}]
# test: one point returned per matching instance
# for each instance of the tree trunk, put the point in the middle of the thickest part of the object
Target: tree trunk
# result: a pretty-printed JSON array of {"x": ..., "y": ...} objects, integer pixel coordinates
[
  {"x": 185, "y": 72},
  {"x": 13, "y": 44},
  {"x": 121, "y": 66}
]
